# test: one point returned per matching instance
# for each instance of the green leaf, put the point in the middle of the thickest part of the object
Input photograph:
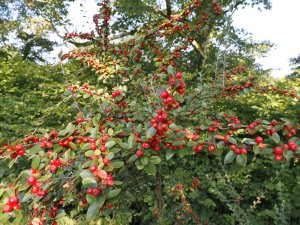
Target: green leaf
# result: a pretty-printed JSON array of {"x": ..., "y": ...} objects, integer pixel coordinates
[
  {"x": 232, "y": 140},
  {"x": 144, "y": 160},
  {"x": 110, "y": 132},
  {"x": 88, "y": 180},
  {"x": 72, "y": 145},
  {"x": 87, "y": 164},
  {"x": 169, "y": 154},
  {"x": 110, "y": 144},
  {"x": 45, "y": 177},
  {"x": 139, "y": 165},
  {"x": 191, "y": 143},
  {"x": 155, "y": 160},
  {"x": 183, "y": 152},
  {"x": 276, "y": 137},
  {"x": 229, "y": 158},
  {"x": 4, "y": 217},
  {"x": 288, "y": 154},
  {"x": 110, "y": 155},
  {"x": 151, "y": 132},
  {"x": 241, "y": 160},
  {"x": 171, "y": 70},
  {"x": 35, "y": 149},
  {"x": 150, "y": 169},
  {"x": 113, "y": 193},
  {"x": 256, "y": 149},
  {"x": 246, "y": 91},
  {"x": 89, "y": 153},
  {"x": 86, "y": 174},
  {"x": 124, "y": 145},
  {"x": 94, "y": 208},
  {"x": 132, "y": 140},
  {"x": 96, "y": 122},
  {"x": 132, "y": 158},
  {"x": 35, "y": 162},
  {"x": 178, "y": 142},
  {"x": 117, "y": 164}
]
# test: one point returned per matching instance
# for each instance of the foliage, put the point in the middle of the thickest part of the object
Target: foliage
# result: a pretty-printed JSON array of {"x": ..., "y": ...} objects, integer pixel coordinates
[
  {"x": 157, "y": 141},
  {"x": 295, "y": 62}
]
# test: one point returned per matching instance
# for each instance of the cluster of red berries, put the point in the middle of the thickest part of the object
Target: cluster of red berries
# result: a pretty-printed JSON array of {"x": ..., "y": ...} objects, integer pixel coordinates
[
  {"x": 94, "y": 191},
  {"x": 168, "y": 100},
  {"x": 108, "y": 178},
  {"x": 120, "y": 103},
  {"x": 66, "y": 142},
  {"x": 85, "y": 36},
  {"x": 54, "y": 165},
  {"x": 238, "y": 150},
  {"x": 36, "y": 186},
  {"x": 79, "y": 54},
  {"x": 31, "y": 139},
  {"x": 93, "y": 145},
  {"x": 278, "y": 151},
  {"x": 12, "y": 204},
  {"x": 214, "y": 127},
  {"x": 17, "y": 150},
  {"x": 181, "y": 85},
  {"x": 103, "y": 29},
  {"x": 217, "y": 8},
  {"x": 290, "y": 131},
  {"x": 198, "y": 148}
]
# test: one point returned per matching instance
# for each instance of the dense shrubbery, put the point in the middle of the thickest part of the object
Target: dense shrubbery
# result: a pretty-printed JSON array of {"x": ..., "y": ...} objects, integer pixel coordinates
[{"x": 159, "y": 136}]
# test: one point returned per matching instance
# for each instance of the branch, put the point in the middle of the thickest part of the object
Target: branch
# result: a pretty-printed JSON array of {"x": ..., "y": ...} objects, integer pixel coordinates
[
  {"x": 195, "y": 44},
  {"x": 168, "y": 4},
  {"x": 159, "y": 194},
  {"x": 124, "y": 34}
]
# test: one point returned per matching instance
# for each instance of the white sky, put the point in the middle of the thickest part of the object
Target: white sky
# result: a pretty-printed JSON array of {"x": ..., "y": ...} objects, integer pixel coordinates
[{"x": 280, "y": 25}]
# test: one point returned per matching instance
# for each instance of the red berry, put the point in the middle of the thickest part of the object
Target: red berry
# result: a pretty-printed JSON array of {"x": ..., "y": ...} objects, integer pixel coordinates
[
  {"x": 18, "y": 147},
  {"x": 109, "y": 183},
  {"x": 7, "y": 208},
  {"x": 212, "y": 148},
  {"x": 106, "y": 161},
  {"x": 21, "y": 152},
  {"x": 109, "y": 177},
  {"x": 279, "y": 157},
  {"x": 178, "y": 75},
  {"x": 17, "y": 207},
  {"x": 278, "y": 151},
  {"x": 31, "y": 180},
  {"x": 259, "y": 140},
  {"x": 53, "y": 168},
  {"x": 79, "y": 120},
  {"x": 243, "y": 150},
  {"x": 199, "y": 148},
  {"x": 90, "y": 191},
  {"x": 34, "y": 189},
  {"x": 96, "y": 192},
  {"x": 172, "y": 81},
  {"x": 102, "y": 148},
  {"x": 54, "y": 133},
  {"x": 13, "y": 200},
  {"x": 93, "y": 168},
  {"x": 164, "y": 94},
  {"x": 93, "y": 146},
  {"x": 139, "y": 153},
  {"x": 285, "y": 146},
  {"x": 233, "y": 147},
  {"x": 145, "y": 145}
]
